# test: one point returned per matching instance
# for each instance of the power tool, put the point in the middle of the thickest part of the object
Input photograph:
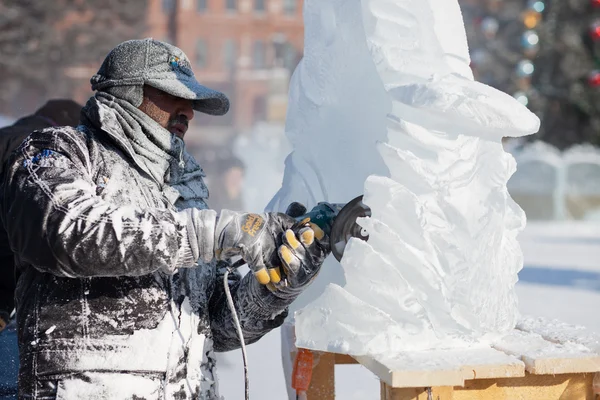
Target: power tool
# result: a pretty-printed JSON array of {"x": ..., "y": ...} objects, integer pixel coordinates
[
  {"x": 337, "y": 221},
  {"x": 345, "y": 226}
]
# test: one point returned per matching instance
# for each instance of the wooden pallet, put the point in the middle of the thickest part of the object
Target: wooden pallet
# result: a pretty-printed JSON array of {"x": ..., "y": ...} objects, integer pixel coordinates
[{"x": 539, "y": 360}]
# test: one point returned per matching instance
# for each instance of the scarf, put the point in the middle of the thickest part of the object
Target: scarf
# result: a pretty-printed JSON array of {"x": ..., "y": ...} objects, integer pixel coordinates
[{"x": 154, "y": 149}]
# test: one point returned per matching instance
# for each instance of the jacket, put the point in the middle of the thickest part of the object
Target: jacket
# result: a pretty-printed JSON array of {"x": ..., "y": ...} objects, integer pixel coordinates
[
  {"x": 94, "y": 237},
  {"x": 10, "y": 138}
]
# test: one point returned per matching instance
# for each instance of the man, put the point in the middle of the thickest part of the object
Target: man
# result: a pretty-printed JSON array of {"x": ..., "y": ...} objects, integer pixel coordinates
[
  {"x": 55, "y": 112},
  {"x": 120, "y": 296}
]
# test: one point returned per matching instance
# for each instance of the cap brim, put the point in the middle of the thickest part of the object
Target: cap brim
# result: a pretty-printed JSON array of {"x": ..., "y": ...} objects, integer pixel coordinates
[{"x": 206, "y": 100}]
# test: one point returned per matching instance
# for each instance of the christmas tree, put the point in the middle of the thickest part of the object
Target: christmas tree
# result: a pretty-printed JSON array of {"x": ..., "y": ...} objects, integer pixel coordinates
[{"x": 545, "y": 53}]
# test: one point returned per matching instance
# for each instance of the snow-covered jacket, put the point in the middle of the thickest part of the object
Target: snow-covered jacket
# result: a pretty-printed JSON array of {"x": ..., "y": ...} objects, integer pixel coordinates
[
  {"x": 96, "y": 239},
  {"x": 10, "y": 138}
]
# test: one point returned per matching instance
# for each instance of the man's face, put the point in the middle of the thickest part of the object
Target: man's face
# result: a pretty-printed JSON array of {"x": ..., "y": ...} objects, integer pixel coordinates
[{"x": 172, "y": 113}]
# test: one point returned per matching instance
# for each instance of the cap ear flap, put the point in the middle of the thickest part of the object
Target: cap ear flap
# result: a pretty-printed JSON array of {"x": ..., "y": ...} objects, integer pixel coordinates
[{"x": 133, "y": 94}]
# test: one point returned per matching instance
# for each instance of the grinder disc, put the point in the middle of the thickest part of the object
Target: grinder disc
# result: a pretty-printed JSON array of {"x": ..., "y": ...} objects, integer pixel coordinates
[{"x": 345, "y": 226}]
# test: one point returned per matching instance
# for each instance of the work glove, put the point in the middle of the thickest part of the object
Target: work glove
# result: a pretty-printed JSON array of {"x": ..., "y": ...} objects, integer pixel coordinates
[
  {"x": 254, "y": 237},
  {"x": 304, "y": 249}
]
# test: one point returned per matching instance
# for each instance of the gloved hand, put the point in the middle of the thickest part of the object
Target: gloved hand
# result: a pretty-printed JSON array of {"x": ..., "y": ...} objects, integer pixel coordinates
[
  {"x": 254, "y": 237},
  {"x": 303, "y": 251}
]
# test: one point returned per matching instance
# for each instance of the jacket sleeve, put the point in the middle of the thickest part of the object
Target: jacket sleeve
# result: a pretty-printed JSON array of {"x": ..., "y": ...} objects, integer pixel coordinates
[
  {"x": 259, "y": 309},
  {"x": 56, "y": 222}
]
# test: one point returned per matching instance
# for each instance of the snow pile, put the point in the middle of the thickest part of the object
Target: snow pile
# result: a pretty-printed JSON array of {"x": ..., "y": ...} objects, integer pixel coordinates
[{"x": 442, "y": 259}]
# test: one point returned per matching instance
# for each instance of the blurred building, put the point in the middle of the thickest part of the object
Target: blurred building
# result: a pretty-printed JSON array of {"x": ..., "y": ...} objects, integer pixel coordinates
[
  {"x": 240, "y": 47},
  {"x": 244, "y": 48}
]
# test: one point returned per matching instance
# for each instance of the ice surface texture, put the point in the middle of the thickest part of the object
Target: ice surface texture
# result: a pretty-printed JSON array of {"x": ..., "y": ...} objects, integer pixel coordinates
[
  {"x": 442, "y": 260},
  {"x": 336, "y": 115}
]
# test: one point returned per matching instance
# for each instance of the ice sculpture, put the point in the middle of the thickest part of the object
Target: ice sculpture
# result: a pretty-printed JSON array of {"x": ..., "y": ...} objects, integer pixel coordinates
[
  {"x": 263, "y": 151},
  {"x": 442, "y": 259},
  {"x": 336, "y": 115}
]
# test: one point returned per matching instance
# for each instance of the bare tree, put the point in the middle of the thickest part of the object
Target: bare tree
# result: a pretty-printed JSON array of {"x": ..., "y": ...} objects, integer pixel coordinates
[{"x": 40, "y": 40}]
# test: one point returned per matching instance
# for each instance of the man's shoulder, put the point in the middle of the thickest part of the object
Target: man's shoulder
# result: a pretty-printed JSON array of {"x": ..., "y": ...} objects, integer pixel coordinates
[{"x": 65, "y": 141}]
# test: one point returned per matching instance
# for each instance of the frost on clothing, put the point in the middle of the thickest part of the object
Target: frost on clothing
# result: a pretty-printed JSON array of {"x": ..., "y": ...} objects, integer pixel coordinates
[
  {"x": 10, "y": 138},
  {"x": 97, "y": 230}
]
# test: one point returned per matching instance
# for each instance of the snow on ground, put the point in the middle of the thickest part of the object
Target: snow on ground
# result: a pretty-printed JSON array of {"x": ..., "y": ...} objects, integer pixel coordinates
[{"x": 561, "y": 279}]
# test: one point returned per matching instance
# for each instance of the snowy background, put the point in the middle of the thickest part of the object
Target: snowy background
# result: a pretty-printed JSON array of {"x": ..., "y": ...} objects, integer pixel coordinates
[{"x": 561, "y": 279}]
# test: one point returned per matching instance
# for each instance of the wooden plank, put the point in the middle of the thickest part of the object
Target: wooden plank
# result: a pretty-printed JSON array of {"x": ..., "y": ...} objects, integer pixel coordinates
[
  {"x": 389, "y": 393},
  {"x": 490, "y": 363},
  {"x": 322, "y": 384},
  {"x": 442, "y": 367},
  {"x": 345, "y": 359},
  {"x": 406, "y": 378},
  {"x": 530, "y": 387},
  {"x": 542, "y": 357}
]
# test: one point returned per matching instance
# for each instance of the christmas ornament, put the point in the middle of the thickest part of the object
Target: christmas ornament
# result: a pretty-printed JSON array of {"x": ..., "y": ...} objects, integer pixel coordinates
[
  {"x": 530, "y": 40},
  {"x": 536, "y": 5},
  {"x": 489, "y": 27},
  {"x": 524, "y": 69},
  {"x": 595, "y": 30},
  {"x": 531, "y": 18},
  {"x": 521, "y": 97},
  {"x": 479, "y": 57},
  {"x": 594, "y": 78}
]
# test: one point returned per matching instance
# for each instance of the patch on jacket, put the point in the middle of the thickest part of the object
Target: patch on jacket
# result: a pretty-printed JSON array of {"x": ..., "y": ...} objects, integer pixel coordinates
[
  {"x": 102, "y": 184},
  {"x": 45, "y": 159}
]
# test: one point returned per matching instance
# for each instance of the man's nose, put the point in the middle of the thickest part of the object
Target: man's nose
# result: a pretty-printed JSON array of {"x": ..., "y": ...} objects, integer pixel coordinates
[{"x": 186, "y": 108}]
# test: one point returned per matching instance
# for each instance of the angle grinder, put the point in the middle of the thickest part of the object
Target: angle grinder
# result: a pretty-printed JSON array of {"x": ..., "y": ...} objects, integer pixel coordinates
[
  {"x": 345, "y": 226},
  {"x": 338, "y": 222}
]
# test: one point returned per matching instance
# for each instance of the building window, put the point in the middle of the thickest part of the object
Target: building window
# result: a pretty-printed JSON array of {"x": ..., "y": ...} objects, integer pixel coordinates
[
  {"x": 229, "y": 54},
  {"x": 258, "y": 54},
  {"x": 167, "y": 5},
  {"x": 201, "y": 5},
  {"x": 289, "y": 7},
  {"x": 231, "y": 5},
  {"x": 259, "y": 5},
  {"x": 201, "y": 53},
  {"x": 290, "y": 56}
]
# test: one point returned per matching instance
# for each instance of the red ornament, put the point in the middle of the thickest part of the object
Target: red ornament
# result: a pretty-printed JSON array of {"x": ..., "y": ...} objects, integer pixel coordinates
[
  {"x": 595, "y": 3},
  {"x": 595, "y": 31},
  {"x": 594, "y": 78}
]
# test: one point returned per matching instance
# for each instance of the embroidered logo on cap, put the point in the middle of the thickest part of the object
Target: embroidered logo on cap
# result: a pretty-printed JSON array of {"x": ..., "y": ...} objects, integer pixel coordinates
[{"x": 180, "y": 64}]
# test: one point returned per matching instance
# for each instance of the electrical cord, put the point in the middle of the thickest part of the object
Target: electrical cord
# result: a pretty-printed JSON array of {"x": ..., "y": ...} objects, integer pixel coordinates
[{"x": 238, "y": 327}]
